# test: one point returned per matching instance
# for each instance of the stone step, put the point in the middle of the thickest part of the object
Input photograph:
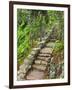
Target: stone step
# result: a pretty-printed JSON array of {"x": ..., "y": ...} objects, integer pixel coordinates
[
  {"x": 35, "y": 49},
  {"x": 50, "y": 45},
  {"x": 44, "y": 63},
  {"x": 35, "y": 75},
  {"x": 44, "y": 55},
  {"x": 37, "y": 61},
  {"x": 46, "y": 50},
  {"x": 41, "y": 62},
  {"x": 39, "y": 67},
  {"x": 52, "y": 40},
  {"x": 44, "y": 58}
]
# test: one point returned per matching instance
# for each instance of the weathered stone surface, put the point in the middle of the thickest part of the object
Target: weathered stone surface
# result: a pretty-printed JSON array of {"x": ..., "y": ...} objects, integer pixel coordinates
[
  {"x": 44, "y": 62},
  {"x": 51, "y": 44},
  {"x": 31, "y": 57},
  {"x": 43, "y": 58},
  {"x": 24, "y": 68},
  {"x": 36, "y": 49},
  {"x": 37, "y": 61},
  {"x": 20, "y": 76},
  {"x": 41, "y": 62},
  {"x": 46, "y": 50},
  {"x": 52, "y": 75},
  {"x": 29, "y": 66},
  {"x": 44, "y": 55},
  {"x": 34, "y": 53},
  {"x": 26, "y": 62},
  {"x": 41, "y": 44},
  {"x": 20, "y": 71},
  {"x": 35, "y": 75},
  {"x": 21, "y": 66},
  {"x": 52, "y": 59},
  {"x": 39, "y": 67}
]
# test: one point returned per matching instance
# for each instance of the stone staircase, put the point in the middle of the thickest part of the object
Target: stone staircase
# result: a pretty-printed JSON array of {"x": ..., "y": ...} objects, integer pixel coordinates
[
  {"x": 39, "y": 64},
  {"x": 40, "y": 67}
]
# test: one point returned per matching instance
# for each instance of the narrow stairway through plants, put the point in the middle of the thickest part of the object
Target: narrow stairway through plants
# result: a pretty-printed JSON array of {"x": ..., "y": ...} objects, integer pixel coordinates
[{"x": 40, "y": 67}]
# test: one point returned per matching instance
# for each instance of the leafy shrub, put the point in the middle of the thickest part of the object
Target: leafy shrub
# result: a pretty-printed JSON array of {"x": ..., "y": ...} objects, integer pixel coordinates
[{"x": 59, "y": 46}]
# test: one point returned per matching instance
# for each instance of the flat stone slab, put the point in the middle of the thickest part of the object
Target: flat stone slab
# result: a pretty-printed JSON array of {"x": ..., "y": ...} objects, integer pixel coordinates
[
  {"x": 37, "y": 61},
  {"x": 39, "y": 67},
  {"x": 41, "y": 62},
  {"x": 44, "y": 55},
  {"x": 46, "y": 50},
  {"x": 44, "y": 62},
  {"x": 34, "y": 49},
  {"x": 51, "y": 44},
  {"x": 35, "y": 75},
  {"x": 43, "y": 58}
]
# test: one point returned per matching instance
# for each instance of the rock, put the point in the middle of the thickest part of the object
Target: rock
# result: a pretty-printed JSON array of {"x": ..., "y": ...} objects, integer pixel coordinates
[
  {"x": 31, "y": 57},
  {"x": 20, "y": 76},
  {"x": 51, "y": 45},
  {"x": 37, "y": 61},
  {"x": 21, "y": 66},
  {"x": 24, "y": 68},
  {"x": 41, "y": 44},
  {"x": 39, "y": 67},
  {"x": 44, "y": 63},
  {"x": 35, "y": 75},
  {"x": 49, "y": 60},
  {"x": 26, "y": 61},
  {"x": 36, "y": 49},
  {"x": 52, "y": 75},
  {"x": 30, "y": 62},
  {"x": 43, "y": 58},
  {"x": 46, "y": 50},
  {"x": 33, "y": 53},
  {"x": 29, "y": 67},
  {"x": 44, "y": 55},
  {"x": 52, "y": 59},
  {"x": 18, "y": 72}
]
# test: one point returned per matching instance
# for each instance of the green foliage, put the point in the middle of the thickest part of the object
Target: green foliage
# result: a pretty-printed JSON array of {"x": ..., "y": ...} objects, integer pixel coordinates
[
  {"x": 56, "y": 17},
  {"x": 32, "y": 26},
  {"x": 59, "y": 46}
]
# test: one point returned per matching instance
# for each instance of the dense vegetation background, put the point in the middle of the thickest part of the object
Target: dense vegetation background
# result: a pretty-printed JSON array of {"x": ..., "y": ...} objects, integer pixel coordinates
[{"x": 33, "y": 25}]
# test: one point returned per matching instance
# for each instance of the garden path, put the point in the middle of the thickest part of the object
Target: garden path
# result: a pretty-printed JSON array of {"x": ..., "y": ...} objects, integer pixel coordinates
[{"x": 40, "y": 67}]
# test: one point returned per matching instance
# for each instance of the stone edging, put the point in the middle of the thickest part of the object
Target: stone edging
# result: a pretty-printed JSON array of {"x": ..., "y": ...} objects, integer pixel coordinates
[{"x": 23, "y": 69}]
